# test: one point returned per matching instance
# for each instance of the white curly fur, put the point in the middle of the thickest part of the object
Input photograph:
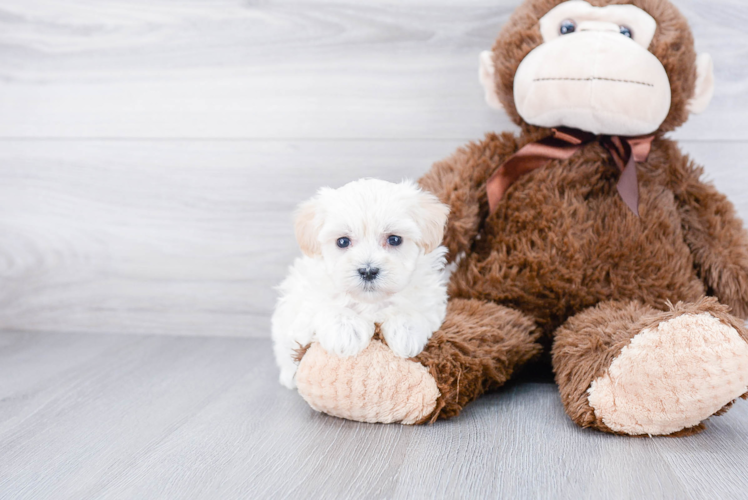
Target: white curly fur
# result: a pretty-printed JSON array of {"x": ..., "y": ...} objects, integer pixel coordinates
[{"x": 325, "y": 299}]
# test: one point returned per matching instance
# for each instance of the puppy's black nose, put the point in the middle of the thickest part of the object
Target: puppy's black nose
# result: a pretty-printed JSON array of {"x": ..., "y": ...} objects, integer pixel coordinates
[{"x": 368, "y": 273}]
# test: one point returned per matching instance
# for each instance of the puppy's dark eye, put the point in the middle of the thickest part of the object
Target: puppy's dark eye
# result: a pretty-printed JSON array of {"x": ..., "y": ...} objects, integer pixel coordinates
[
  {"x": 626, "y": 31},
  {"x": 394, "y": 240},
  {"x": 343, "y": 242},
  {"x": 567, "y": 27}
]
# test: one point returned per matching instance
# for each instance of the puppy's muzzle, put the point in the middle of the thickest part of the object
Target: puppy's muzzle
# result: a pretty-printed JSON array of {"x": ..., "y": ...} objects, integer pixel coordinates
[{"x": 368, "y": 273}]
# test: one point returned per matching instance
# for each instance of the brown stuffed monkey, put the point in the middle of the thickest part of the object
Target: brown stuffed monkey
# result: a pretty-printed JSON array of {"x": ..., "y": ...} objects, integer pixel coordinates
[{"x": 588, "y": 238}]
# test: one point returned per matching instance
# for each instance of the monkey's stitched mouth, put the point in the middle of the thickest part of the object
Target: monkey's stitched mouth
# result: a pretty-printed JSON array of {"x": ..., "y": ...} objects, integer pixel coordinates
[{"x": 592, "y": 78}]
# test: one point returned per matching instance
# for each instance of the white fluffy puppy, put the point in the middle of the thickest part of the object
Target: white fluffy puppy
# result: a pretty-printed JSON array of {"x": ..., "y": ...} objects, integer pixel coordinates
[{"x": 372, "y": 254}]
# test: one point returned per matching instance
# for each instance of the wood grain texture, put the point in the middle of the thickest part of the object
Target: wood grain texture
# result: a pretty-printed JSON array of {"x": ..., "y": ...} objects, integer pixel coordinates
[
  {"x": 221, "y": 117},
  {"x": 159, "y": 417},
  {"x": 310, "y": 69},
  {"x": 165, "y": 237},
  {"x": 187, "y": 237}
]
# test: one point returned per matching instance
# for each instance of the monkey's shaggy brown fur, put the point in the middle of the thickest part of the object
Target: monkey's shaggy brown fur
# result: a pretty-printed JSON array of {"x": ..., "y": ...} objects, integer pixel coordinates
[
  {"x": 563, "y": 261},
  {"x": 566, "y": 252},
  {"x": 562, "y": 242},
  {"x": 477, "y": 348}
]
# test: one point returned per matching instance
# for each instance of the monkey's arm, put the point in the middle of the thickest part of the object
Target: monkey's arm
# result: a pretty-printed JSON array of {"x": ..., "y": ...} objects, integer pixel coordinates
[
  {"x": 460, "y": 182},
  {"x": 715, "y": 234}
]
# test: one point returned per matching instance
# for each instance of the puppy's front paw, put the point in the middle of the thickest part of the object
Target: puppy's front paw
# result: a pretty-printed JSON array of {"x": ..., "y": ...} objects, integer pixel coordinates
[
  {"x": 344, "y": 334},
  {"x": 287, "y": 379},
  {"x": 406, "y": 335}
]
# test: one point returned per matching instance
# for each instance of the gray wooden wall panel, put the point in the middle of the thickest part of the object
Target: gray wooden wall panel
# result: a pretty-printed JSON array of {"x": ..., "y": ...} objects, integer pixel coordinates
[
  {"x": 151, "y": 152},
  {"x": 277, "y": 69},
  {"x": 187, "y": 237},
  {"x": 205, "y": 418},
  {"x": 177, "y": 237}
]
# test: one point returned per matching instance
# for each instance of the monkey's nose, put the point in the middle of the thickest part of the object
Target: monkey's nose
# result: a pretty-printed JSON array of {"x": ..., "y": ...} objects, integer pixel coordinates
[{"x": 368, "y": 273}]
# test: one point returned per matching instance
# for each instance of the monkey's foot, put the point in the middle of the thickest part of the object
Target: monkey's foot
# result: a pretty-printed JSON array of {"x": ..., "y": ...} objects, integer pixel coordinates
[
  {"x": 672, "y": 376},
  {"x": 374, "y": 386}
]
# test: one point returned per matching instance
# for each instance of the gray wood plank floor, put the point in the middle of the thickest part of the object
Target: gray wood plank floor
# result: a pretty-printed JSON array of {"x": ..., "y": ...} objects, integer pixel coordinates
[{"x": 127, "y": 416}]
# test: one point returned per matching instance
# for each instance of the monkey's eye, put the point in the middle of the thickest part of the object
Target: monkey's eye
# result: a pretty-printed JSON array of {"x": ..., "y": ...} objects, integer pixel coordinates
[
  {"x": 394, "y": 240},
  {"x": 567, "y": 27},
  {"x": 625, "y": 31},
  {"x": 343, "y": 242}
]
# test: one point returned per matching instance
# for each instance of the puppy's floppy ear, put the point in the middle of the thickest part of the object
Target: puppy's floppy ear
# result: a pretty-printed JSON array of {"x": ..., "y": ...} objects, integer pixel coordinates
[
  {"x": 431, "y": 217},
  {"x": 307, "y": 226}
]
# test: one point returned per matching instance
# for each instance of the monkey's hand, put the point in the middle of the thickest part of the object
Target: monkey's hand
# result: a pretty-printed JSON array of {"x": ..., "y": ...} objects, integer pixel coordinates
[{"x": 715, "y": 235}]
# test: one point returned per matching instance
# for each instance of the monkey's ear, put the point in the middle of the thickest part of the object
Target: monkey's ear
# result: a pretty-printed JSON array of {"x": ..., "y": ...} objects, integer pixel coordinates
[
  {"x": 486, "y": 77},
  {"x": 704, "y": 90},
  {"x": 307, "y": 226}
]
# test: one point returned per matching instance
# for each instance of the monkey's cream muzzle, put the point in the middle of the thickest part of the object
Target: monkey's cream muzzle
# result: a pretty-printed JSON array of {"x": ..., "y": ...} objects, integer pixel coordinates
[{"x": 594, "y": 79}]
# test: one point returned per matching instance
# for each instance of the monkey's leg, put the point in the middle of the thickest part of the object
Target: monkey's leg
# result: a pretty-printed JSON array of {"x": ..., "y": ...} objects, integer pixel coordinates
[
  {"x": 627, "y": 368},
  {"x": 477, "y": 348}
]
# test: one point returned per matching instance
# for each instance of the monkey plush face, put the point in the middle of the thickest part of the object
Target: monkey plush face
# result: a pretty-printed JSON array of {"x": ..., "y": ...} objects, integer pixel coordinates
[
  {"x": 593, "y": 72},
  {"x": 614, "y": 68}
]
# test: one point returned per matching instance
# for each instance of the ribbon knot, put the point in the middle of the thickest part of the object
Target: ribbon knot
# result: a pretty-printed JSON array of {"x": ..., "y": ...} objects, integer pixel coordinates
[{"x": 625, "y": 151}]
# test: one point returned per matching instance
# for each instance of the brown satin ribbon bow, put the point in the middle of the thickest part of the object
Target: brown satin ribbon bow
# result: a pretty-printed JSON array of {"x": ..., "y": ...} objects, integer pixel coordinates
[{"x": 564, "y": 142}]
